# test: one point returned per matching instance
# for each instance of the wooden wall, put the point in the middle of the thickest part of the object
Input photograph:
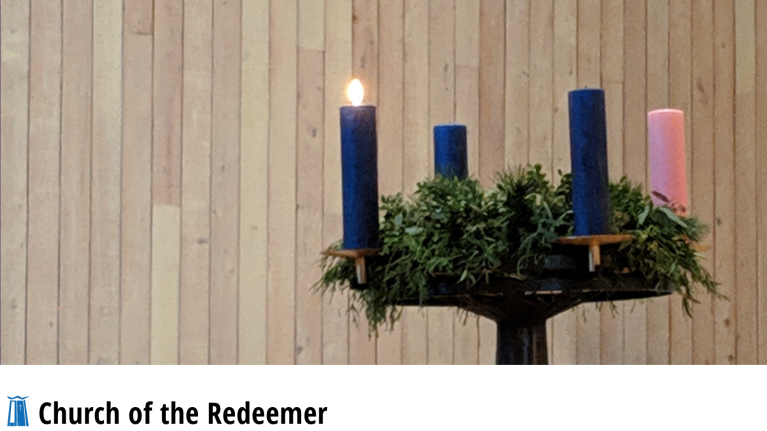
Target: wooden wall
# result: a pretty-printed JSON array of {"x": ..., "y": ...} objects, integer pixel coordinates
[{"x": 170, "y": 169}]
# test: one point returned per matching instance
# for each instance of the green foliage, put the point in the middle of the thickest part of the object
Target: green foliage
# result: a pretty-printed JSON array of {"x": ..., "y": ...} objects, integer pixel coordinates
[{"x": 456, "y": 228}]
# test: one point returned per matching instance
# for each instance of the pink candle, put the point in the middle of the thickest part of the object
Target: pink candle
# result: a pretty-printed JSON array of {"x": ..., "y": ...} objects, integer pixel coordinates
[{"x": 668, "y": 167}]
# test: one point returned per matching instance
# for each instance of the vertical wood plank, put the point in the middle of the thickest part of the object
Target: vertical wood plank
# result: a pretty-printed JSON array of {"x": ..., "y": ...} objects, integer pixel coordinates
[
  {"x": 390, "y": 118},
  {"x": 74, "y": 232},
  {"x": 136, "y": 208},
  {"x": 493, "y": 23},
  {"x": 167, "y": 82},
  {"x": 589, "y": 65},
  {"x": 105, "y": 271},
  {"x": 311, "y": 79},
  {"x": 745, "y": 182},
  {"x": 541, "y": 79},
  {"x": 564, "y": 326},
  {"x": 44, "y": 186},
  {"x": 165, "y": 278},
  {"x": 517, "y": 85},
  {"x": 14, "y": 76},
  {"x": 338, "y": 70},
  {"x": 679, "y": 95},
  {"x": 724, "y": 169},
  {"x": 167, "y": 86},
  {"x": 492, "y": 117},
  {"x": 441, "y": 110},
  {"x": 635, "y": 152},
  {"x": 365, "y": 46},
  {"x": 565, "y": 78},
  {"x": 254, "y": 177},
  {"x": 657, "y": 97},
  {"x": 703, "y": 164},
  {"x": 466, "y": 339},
  {"x": 282, "y": 183},
  {"x": 761, "y": 162},
  {"x": 194, "y": 289},
  {"x": 611, "y": 57},
  {"x": 467, "y": 32},
  {"x": 362, "y": 347},
  {"x": 415, "y": 165},
  {"x": 225, "y": 184}
]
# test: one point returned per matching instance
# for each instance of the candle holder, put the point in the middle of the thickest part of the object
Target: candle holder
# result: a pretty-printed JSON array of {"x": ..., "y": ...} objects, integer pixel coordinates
[
  {"x": 594, "y": 243},
  {"x": 358, "y": 255}
]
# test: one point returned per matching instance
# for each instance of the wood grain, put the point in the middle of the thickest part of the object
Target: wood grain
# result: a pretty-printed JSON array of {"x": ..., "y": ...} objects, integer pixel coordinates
[
  {"x": 14, "y": 76},
  {"x": 43, "y": 185},
  {"x": 703, "y": 164},
  {"x": 254, "y": 178},
  {"x": 282, "y": 184},
  {"x": 165, "y": 278},
  {"x": 724, "y": 192},
  {"x": 492, "y": 102},
  {"x": 167, "y": 82},
  {"x": 74, "y": 232},
  {"x": 106, "y": 161},
  {"x": 761, "y": 159},
  {"x": 225, "y": 184},
  {"x": 517, "y": 83},
  {"x": 310, "y": 121},
  {"x": 136, "y": 198},
  {"x": 745, "y": 182},
  {"x": 194, "y": 292}
]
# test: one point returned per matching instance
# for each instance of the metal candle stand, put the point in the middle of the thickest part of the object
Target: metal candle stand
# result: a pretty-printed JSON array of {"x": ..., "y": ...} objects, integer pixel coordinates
[{"x": 569, "y": 277}]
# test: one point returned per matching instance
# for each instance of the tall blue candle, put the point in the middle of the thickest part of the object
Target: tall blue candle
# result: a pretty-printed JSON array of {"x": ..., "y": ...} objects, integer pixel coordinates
[
  {"x": 359, "y": 173},
  {"x": 450, "y": 160},
  {"x": 588, "y": 154}
]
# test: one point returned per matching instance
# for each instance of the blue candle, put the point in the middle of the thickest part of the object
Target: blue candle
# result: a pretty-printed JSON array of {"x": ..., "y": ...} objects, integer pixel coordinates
[
  {"x": 588, "y": 154},
  {"x": 359, "y": 176},
  {"x": 450, "y": 159}
]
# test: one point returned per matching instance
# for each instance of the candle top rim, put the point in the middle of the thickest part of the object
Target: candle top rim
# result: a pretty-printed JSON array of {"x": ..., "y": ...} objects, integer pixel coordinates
[
  {"x": 666, "y": 110},
  {"x": 450, "y": 125},
  {"x": 585, "y": 89},
  {"x": 358, "y": 106}
]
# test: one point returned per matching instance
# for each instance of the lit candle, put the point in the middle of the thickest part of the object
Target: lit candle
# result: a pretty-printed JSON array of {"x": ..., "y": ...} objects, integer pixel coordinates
[
  {"x": 450, "y": 154},
  {"x": 668, "y": 166},
  {"x": 359, "y": 171},
  {"x": 588, "y": 154}
]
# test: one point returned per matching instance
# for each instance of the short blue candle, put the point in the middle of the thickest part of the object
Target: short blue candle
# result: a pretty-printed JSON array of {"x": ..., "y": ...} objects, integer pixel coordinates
[
  {"x": 588, "y": 154},
  {"x": 359, "y": 177},
  {"x": 450, "y": 160}
]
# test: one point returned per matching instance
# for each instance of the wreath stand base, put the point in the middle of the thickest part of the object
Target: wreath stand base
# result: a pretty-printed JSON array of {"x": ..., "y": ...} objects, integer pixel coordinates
[{"x": 520, "y": 308}]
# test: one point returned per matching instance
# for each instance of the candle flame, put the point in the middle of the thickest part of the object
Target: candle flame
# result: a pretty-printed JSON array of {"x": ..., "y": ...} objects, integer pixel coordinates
[{"x": 355, "y": 92}]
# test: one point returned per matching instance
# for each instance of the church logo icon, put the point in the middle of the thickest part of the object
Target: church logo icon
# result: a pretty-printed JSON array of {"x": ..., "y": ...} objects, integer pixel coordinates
[{"x": 17, "y": 412}]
